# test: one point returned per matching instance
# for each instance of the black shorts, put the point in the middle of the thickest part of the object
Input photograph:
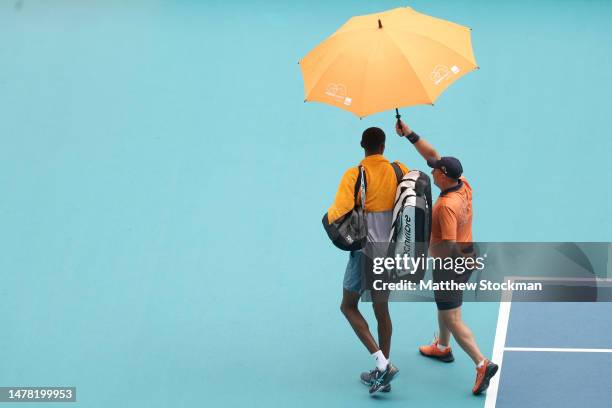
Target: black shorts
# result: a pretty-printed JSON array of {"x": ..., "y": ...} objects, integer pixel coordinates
[{"x": 449, "y": 299}]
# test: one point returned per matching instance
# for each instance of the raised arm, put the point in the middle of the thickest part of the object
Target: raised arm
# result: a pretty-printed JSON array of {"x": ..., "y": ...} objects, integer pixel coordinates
[{"x": 423, "y": 147}]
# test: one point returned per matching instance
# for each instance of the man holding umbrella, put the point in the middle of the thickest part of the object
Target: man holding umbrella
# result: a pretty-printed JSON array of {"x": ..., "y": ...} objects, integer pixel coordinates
[{"x": 451, "y": 235}]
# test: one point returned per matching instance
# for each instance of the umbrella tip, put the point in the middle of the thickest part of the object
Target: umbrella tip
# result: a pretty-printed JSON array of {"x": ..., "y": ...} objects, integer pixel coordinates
[{"x": 379, "y": 23}]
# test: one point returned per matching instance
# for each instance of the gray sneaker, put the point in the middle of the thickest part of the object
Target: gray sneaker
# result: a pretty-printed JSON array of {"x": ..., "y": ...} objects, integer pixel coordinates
[
  {"x": 382, "y": 378},
  {"x": 366, "y": 379}
]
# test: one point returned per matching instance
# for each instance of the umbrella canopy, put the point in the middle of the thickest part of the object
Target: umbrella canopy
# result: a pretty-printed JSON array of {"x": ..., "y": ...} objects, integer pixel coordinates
[{"x": 387, "y": 60}]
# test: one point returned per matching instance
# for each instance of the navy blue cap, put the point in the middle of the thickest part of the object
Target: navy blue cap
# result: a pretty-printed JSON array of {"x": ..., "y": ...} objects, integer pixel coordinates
[{"x": 449, "y": 166}]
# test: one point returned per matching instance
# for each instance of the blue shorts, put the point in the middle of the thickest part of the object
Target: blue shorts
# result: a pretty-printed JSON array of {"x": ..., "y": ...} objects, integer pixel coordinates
[{"x": 352, "y": 275}]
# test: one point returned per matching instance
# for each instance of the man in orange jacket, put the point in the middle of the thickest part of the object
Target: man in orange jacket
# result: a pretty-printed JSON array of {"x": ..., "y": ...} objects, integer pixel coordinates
[
  {"x": 380, "y": 194},
  {"x": 451, "y": 234}
]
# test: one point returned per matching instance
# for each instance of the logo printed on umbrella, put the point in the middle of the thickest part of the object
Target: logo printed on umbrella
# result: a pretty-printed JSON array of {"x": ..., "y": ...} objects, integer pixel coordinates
[
  {"x": 441, "y": 72},
  {"x": 338, "y": 92}
]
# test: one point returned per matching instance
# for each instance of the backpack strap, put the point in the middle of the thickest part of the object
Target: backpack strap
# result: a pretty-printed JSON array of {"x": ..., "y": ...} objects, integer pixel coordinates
[
  {"x": 358, "y": 185},
  {"x": 399, "y": 174}
]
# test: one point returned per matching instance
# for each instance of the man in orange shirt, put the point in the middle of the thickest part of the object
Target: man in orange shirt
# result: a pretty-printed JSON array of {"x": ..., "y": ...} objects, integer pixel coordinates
[
  {"x": 381, "y": 185},
  {"x": 451, "y": 235}
]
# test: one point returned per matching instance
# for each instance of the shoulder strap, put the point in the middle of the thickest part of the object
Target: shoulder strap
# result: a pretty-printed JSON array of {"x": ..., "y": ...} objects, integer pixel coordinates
[
  {"x": 360, "y": 170},
  {"x": 357, "y": 183},
  {"x": 399, "y": 174}
]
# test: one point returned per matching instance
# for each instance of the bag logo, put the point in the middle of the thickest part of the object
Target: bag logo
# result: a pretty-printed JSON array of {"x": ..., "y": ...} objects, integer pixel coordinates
[{"x": 407, "y": 234}]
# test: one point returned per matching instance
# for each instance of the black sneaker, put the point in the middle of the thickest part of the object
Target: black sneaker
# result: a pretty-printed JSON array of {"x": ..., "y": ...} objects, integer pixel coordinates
[
  {"x": 382, "y": 378},
  {"x": 366, "y": 379}
]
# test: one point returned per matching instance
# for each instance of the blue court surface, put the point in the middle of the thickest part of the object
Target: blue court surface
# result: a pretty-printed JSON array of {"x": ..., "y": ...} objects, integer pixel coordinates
[
  {"x": 553, "y": 354},
  {"x": 162, "y": 185}
]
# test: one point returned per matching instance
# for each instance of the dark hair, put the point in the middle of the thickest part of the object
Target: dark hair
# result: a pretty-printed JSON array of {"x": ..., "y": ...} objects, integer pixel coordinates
[{"x": 372, "y": 138}]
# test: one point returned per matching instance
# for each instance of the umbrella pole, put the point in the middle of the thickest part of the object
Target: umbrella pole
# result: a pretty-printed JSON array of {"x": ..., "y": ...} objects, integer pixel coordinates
[{"x": 398, "y": 117}]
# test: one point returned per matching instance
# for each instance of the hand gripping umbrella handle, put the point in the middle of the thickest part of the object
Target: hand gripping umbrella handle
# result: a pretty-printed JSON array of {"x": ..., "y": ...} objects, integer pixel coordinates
[{"x": 398, "y": 117}]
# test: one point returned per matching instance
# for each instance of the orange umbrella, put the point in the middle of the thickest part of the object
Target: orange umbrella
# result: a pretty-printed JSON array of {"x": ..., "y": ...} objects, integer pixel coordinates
[{"x": 386, "y": 60}]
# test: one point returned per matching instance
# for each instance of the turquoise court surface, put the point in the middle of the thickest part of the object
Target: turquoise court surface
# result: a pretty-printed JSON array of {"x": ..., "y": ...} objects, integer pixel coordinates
[{"x": 163, "y": 182}]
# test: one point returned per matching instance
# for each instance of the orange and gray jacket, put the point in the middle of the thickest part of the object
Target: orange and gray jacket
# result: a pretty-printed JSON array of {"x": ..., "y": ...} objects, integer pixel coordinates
[{"x": 380, "y": 194}]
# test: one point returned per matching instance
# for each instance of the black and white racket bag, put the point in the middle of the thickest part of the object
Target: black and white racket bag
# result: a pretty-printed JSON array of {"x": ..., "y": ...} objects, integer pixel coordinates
[{"x": 411, "y": 225}]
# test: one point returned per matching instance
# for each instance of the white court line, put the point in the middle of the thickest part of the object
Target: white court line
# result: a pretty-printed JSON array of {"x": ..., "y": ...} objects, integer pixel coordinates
[
  {"x": 498, "y": 349},
  {"x": 595, "y": 279},
  {"x": 564, "y": 350}
]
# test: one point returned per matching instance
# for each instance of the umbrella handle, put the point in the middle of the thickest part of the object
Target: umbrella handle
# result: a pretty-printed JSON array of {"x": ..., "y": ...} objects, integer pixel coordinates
[{"x": 398, "y": 117}]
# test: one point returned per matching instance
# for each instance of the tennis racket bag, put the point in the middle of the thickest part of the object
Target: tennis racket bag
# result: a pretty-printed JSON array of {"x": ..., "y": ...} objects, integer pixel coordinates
[{"x": 411, "y": 225}]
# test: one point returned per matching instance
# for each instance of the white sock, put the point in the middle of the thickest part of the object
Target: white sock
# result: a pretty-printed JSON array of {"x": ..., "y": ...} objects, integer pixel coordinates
[
  {"x": 480, "y": 364},
  {"x": 381, "y": 361},
  {"x": 441, "y": 347}
]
